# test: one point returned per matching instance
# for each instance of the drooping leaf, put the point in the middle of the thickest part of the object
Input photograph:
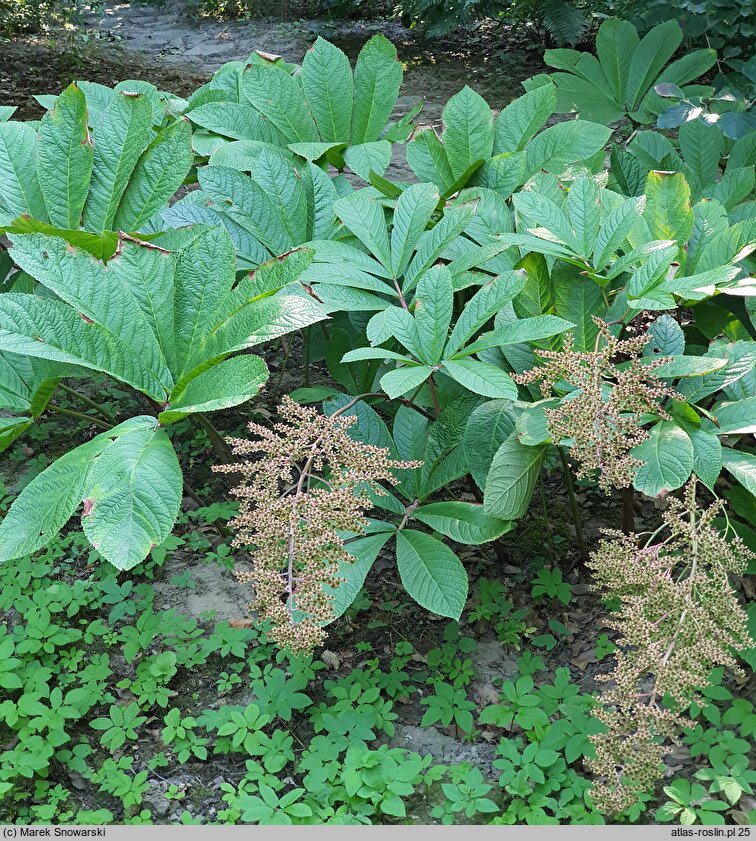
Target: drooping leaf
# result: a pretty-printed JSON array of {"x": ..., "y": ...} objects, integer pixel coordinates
[
  {"x": 364, "y": 550},
  {"x": 464, "y": 522},
  {"x": 667, "y": 456},
  {"x": 511, "y": 479},
  {"x": 46, "y": 504},
  {"x": 431, "y": 573},
  {"x": 133, "y": 493},
  {"x": 486, "y": 430}
]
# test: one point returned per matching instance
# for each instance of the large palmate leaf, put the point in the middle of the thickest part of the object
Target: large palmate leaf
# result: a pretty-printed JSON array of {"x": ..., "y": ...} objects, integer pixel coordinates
[
  {"x": 619, "y": 80},
  {"x": 326, "y": 113},
  {"x": 164, "y": 323},
  {"x": 100, "y": 173},
  {"x": 463, "y": 153}
]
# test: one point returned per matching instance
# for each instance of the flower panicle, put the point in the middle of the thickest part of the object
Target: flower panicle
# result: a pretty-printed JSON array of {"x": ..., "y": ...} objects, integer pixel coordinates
[
  {"x": 304, "y": 483},
  {"x": 601, "y": 412},
  {"x": 678, "y": 618}
]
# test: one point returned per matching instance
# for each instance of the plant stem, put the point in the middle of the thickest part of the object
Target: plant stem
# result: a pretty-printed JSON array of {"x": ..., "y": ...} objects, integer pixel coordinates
[
  {"x": 221, "y": 448},
  {"x": 287, "y": 352},
  {"x": 573, "y": 506},
  {"x": 434, "y": 396},
  {"x": 51, "y": 407},
  {"x": 91, "y": 403},
  {"x": 547, "y": 522},
  {"x": 628, "y": 514},
  {"x": 306, "y": 356}
]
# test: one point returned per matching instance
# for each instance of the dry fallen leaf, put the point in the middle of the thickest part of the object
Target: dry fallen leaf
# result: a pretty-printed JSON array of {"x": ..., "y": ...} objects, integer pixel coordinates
[
  {"x": 331, "y": 659},
  {"x": 241, "y": 623},
  {"x": 582, "y": 660}
]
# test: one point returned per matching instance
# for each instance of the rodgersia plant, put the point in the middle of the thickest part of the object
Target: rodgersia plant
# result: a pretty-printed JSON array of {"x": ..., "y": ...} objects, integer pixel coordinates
[
  {"x": 602, "y": 413},
  {"x": 679, "y": 618},
  {"x": 313, "y": 483}
]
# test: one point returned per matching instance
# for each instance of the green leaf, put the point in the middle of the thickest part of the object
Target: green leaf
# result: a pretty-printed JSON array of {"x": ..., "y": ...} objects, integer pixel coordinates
[
  {"x": 65, "y": 158},
  {"x": 401, "y": 380},
  {"x": 377, "y": 79},
  {"x": 511, "y": 479},
  {"x": 431, "y": 573},
  {"x": 616, "y": 41},
  {"x": 120, "y": 136},
  {"x": 101, "y": 293},
  {"x": 616, "y": 228},
  {"x": 434, "y": 242},
  {"x": 235, "y": 121},
  {"x": 365, "y": 158},
  {"x": 434, "y": 302},
  {"x": 46, "y": 504},
  {"x": 486, "y": 430},
  {"x": 102, "y": 246},
  {"x": 204, "y": 274},
  {"x": 370, "y": 427},
  {"x": 19, "y": 187},
  {"x": 689, "y": 366},
  {"x": 365, "y": 219},
  {"x": 427, "y": 158},
  {"x": 482, "y": 307},
  {"x": 133, "y": 493},
  {"x": 521, "y": 330},
  {"x": 518, "y": 123},
  {"x": 49, "y": 329},
  {"x": 279, "y": 98},
  {"x": 667, "y": 338},
  {"x": 668, "y": 211},
  {"x": 259, "y": 321},
  {"x": 565, "y": 143},
  {"x": 585, "y": 214},
  {"x": 464, "y": 522},
  {"x": 577, "y": 300},
  {"x": 228, "y": 383},
  {"x": 481, "y": 378},
  {"x": 738, "y": 417},
  {"x": 667, "y": 456},
  {"x": 701, "y": 146},
  {"x": 742, "y": 466},
  {"x": 364, "y": 550},
  {"x": 159, "y": 172},
  {"x": 327, "y": 83},
  {"x": 707, "y": 454},
  {"x": 652, "y": 53},
  {"x": 412, "y": 213},
  {"x": 468, "y": 130}
]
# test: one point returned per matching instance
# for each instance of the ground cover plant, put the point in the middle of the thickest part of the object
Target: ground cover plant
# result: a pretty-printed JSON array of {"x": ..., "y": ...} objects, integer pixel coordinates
[{"x": 510, "y": 403}]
